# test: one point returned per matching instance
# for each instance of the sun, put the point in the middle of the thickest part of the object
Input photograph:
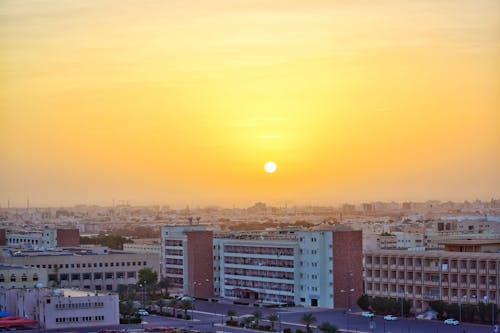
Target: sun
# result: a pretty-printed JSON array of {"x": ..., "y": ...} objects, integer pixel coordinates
[{"x": 270, "y": 167}]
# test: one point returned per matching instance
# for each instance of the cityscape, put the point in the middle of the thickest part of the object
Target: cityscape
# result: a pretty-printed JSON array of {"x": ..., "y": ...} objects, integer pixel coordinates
[{"x": 250, "y": 166}]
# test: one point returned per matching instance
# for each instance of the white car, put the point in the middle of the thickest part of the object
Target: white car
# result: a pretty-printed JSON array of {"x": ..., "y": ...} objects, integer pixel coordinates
[
  {"x": 451, "y": 321},
  {"x": 390, "y": 317},
  {"x": 142, "y": 312},
  {"x": 367, "y": 314}
]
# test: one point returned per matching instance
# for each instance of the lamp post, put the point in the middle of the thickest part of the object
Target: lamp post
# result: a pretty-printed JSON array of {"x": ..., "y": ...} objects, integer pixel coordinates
[{"x": 143, "y": 286}]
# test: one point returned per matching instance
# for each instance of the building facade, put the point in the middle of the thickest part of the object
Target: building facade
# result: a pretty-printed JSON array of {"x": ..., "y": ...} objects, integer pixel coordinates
[
  {"x": 424, "y": 276},
  {"x": 86, "y": 269},
  {"x": 311, "y": 268},
  {"x": 17, "y": 276},
  {"x": 62, "y": 308}
]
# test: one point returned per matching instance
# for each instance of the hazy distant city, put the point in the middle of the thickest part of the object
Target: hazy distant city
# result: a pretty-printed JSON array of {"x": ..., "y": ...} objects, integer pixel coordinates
[{"x": 230, "y": 166}]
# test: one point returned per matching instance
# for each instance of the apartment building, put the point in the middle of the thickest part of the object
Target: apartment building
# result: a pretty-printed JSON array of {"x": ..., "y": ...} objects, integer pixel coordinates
[
  {"x": 62, "y": 308},
  {"x": 424, "y": 276},
  {"x": 87, "y": 269},
  {"x": 311, "y": 268}
]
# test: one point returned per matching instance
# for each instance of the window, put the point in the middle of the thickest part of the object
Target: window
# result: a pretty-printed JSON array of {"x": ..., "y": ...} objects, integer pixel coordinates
[
  {"x": 2, "y": 278},
  {"x": 24, "y": 278},
  {"x": 97, "y": 276},
  {"x": 35, "y": 277}
]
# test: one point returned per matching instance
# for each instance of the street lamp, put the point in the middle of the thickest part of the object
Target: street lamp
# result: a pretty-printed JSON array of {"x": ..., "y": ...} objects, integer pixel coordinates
[
  {"x": 143, "y": 286},
  {"x": 38, "y": 286}
]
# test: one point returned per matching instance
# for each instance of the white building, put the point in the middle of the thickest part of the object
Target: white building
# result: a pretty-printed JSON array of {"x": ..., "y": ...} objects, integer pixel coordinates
[{"x": 63, "y": 308}]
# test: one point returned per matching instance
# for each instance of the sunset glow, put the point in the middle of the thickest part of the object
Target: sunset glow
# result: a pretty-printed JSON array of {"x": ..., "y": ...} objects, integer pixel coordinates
[{"x": 181, "y": 102}]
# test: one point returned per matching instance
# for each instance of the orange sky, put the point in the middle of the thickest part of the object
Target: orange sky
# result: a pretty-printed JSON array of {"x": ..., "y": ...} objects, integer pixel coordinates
[{"x": 182, "y": 102}]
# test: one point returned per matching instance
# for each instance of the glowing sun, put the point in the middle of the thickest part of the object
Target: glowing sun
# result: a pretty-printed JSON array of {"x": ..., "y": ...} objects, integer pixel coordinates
[{"x": 270, "y": 167}]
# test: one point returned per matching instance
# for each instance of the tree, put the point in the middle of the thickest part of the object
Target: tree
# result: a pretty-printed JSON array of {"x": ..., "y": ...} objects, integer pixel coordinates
[
  {"x": 257, "y": 315},
  {"x": 364, "y": 302},
  {"x": 126, "y": 309},
  {"x": 174, "y": 303},
  {"x": 147, "y": 276},
  {"x": 186, "y": 305},
  {"x": 164, "y": 284},
  {"x": 162, "y": 303},
  {"x": 273, "y": 317},
  {"x": 308, "y": 319},
  {"x": 439, "y": 307},
  {"x": 231, "y": 314},
  {"x": 327, "y": 327}
]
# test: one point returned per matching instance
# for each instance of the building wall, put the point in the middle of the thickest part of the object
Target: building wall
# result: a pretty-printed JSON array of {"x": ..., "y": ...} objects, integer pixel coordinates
[
  {"x": 63, "y": 309},
  {"x": 3, "y": 237},
  {"x": 315, "y": 269},
  {"x": 200, "y": 264},
  {"x": 68, "y": 238},
  {"x": 347, "y": 268},
  {"x": 12, "y": 276},
  {"x": 427, "y": 276},
  {"x": 89, "y": 272},
  {"x": 142, "y": 248}
]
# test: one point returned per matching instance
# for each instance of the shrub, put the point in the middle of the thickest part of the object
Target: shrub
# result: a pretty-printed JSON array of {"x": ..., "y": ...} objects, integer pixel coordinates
[
  {"x": 179, "y": 315},
  {"x": 298, "y": 330},
  {"x": 232, "y": 323},
  {"x": 287, "y": 330}
]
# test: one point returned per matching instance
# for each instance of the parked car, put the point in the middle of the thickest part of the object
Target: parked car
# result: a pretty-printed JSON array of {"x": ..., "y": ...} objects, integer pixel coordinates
[
  {"x": 367, "y": 314},
  {"x": 390, "y": 317},
  {"x": 451, "y": 321},
  {"x": 142, "y": 312}
]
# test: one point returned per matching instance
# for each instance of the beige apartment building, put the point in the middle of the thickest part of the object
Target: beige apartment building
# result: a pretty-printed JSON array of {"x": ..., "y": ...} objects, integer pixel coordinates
[{"x": 421, "y": 277}]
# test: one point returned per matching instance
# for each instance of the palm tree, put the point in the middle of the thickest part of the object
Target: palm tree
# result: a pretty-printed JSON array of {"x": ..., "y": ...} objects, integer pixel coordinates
[
  {"x": 126, "y": 309},
  {"x": 186, "y": 305},
  {"x": 257, "y": 315},
  {"x": 173, "y": 304},
  {"x": 231, "y": 314},
  {"x": 326, "y": 327},
  {"x": 164, "y": 284},
  {"x": 162, "y": 303},
  {"x": 273, "y": 317},
  {"x": 247, "y": 321},
  {"x": 308, "y": 319}
]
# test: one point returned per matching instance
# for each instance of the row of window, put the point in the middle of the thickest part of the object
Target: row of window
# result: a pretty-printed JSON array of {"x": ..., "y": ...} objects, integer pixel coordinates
[
  {"x": 78, "y": 319},
  {"x": 95, "y": 264},
  {"x": 80, "y": 305},
  {"x": 24, "y": 278},
  {"x": 90, "y": 276}
]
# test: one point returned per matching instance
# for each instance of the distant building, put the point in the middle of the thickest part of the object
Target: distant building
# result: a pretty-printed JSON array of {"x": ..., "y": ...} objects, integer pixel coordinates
[
  {"x": 43, "y": 239},
  {"x": 142, "y": 248},
  {"x": 62, "y": 308}
]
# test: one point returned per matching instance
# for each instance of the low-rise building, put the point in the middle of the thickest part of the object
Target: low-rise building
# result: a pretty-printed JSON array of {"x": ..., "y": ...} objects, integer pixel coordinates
[
  {"x": 86, "y": 269},
  {"x": 17, "y": 276},
  {"x": 62, "y": 308}
]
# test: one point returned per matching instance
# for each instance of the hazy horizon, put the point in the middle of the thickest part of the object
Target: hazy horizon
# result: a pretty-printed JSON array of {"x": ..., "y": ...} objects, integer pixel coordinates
[{"x": 182, "y": 102}]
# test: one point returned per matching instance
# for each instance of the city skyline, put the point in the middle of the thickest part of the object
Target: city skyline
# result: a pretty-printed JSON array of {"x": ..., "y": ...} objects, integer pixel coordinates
[{"x": 182, "y": 103}]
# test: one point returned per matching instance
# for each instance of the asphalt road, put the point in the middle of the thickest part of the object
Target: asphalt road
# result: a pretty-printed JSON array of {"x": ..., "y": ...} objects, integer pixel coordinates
[{"x": 208, "y": 317}]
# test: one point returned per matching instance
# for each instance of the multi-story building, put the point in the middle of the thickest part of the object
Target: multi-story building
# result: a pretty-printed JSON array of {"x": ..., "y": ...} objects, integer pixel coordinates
[
  {"x": 43, "y": 239},
  {"x": 88, "y": 269},
  {"x": 424, "y": 276},
  {"x": 62, "y": 308},
  {"x": 311, "y": 268},
  {"x": 142, "y": 248},
  {"x": 16, "y": 276}
]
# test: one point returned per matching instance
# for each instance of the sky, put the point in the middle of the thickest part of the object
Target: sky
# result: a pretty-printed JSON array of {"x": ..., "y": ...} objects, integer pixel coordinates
[{"x": 182, "y": 102}]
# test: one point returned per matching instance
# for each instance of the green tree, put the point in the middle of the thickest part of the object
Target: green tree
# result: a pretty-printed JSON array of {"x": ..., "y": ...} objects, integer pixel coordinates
[
  {"x": 186, "y": 305},
  {"x": 174, "y": 304},
  {"x": 308, "y": 319},
  {"x": 327, "y": 327},
  {"x": 364, "y": 302},
  {"x": 273, "y": 318},
  {"x": 162, "y": 303},
  {"x": 231, "y": 314},
  {"x": 126, "y": 309},
  {"x": 439, "y": 307},
  {"x": 164, "y": 284},
  {"x": 257, "y": 315},
  {"x": 147, "y": 276}
]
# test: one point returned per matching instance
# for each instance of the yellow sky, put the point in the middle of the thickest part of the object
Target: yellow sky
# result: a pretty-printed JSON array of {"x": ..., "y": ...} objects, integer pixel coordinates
[{"x": 182, "y": 102}]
